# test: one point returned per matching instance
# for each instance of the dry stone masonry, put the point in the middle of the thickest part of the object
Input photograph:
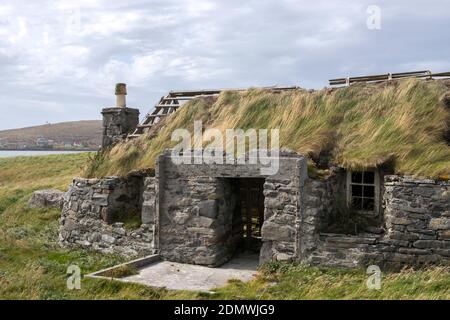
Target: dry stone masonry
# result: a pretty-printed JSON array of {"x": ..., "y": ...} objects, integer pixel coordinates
[
  {"x": 91, "y": 208},
  {"x": 417, "y": 223},
  {"x": 417, "y": 217},
  {"x": 196, "y": 209},
  {"x": 187, "y": 214},
  {"x": 118, "y": 122}
]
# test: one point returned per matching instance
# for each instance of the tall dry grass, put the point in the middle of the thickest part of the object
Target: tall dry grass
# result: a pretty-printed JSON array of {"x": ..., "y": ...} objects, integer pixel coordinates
[{"x": 360, "y": 126}]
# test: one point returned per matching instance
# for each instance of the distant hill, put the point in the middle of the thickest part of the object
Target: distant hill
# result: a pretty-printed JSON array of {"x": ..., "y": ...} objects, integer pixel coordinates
[{"x": 65, "y": 135}]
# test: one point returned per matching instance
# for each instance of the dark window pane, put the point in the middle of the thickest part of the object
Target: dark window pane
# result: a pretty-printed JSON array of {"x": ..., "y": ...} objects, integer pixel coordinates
[
  {"x": 369, "y": 177},
  {"x": 357, "y": 177},
  {"x": 356, "y": 190},
  {"x": 369, "y": 191},
  {"x": 368, "y": 204},
  {"x": 356, "y": 203}
]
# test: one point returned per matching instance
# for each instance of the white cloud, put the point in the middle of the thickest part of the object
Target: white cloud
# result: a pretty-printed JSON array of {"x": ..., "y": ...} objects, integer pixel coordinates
[{"x": 61, "y": 59}]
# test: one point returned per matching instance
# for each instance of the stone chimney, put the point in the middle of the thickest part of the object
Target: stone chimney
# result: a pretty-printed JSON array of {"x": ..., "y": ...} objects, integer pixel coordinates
[{"x": 120, "y": 120}]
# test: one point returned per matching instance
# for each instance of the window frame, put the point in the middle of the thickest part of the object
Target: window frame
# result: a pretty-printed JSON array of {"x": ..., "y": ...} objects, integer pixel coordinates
[{"x": 376, "y": 185}]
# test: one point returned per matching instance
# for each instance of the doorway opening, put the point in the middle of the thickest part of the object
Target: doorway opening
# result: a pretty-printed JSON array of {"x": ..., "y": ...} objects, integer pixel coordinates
[{"x": 248, "y": 213}]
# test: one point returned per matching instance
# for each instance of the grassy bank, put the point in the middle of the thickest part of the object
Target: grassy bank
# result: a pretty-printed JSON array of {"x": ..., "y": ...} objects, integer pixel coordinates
[
  {"x": 401, "y": 125},
  {"x": 32, "y": 266}
]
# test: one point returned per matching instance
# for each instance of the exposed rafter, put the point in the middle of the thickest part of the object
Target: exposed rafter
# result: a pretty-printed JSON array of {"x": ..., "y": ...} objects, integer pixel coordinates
[
  {"x": 172, "y": 102},
  {"x": 388, "y": 76}
]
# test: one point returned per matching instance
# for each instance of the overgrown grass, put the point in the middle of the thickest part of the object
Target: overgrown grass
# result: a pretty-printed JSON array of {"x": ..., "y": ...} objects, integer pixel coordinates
[
  {"x": 33, "y": 266},
  {"x": 291, "y": 281},
  {"x": 361, "y": 126}
]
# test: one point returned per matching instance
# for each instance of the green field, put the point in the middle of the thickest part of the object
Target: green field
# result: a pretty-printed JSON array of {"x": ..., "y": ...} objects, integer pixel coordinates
[{"x": 32, "y": 266}]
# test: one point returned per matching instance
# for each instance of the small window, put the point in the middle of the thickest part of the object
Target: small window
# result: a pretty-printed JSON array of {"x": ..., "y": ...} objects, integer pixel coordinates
[{"x": 363, "y": 191}]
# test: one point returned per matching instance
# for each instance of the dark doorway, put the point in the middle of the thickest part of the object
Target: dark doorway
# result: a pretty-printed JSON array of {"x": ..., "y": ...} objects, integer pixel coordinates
[{"x": 248, "y": 216}]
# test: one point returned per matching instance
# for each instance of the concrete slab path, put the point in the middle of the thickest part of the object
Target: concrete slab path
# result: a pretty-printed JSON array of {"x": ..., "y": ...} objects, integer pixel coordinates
[{"x": 181, "y": 276}]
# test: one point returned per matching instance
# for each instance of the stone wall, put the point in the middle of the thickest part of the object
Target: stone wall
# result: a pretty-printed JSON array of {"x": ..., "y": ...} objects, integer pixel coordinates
[
  {"x": 196, "y": 209},
  {"x": 149, "y": 200},
  {"x": 281, "y": 217},
  {"x": 92, "y": 208},
  {"x": 117, "y": 123},
  {"x": 417, "y": 225},
  {"x": 194, "y": 220},
  {"x": 417, "y": 215},
  {"x": 189, "y": 215},
  {"x": 318, "y": 204}
]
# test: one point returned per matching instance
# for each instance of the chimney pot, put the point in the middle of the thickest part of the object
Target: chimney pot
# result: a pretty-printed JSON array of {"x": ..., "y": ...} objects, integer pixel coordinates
[
  {"x": 121, "y": 88},
  {"x": 121, "y": 92}
]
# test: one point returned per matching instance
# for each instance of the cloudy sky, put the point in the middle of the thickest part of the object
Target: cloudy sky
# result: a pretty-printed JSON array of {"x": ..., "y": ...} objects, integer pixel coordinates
[{"x": 59, "y": 60}]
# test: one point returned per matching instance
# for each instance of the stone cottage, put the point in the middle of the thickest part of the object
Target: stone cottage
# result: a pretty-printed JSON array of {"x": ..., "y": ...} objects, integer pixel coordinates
[{"x": 206, "y": 213}]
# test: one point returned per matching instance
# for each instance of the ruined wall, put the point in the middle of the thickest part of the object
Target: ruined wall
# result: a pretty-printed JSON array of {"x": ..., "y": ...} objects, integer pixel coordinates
[
  {"x": 192, "y": 226},
  {"x": 417, "y": 228},
  {"x": 188, "y": 215},
  {"x": 90, "y": 213},
  {"x": 318, "y": 204},
  {"x": 281, "y": 217},
  {"x": 196, "y": 210},
  {"x": 417, "y": 215},
  {"x": 149, "y": 200}
]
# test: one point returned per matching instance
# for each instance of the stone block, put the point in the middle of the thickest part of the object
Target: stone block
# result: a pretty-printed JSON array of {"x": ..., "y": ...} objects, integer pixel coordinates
[
  {"x": 439, "y": 224},
  {"x": 403, "y": 236},
  {"x": 395, "y": 243},
  {"x": 443, "y": 252},
  {"x": 429, "y": 259},
  {"x": 432, "y": 244},
  {"x": 108, "y": 238},
  {"x": 424, "y": 191},
  {"x": 203, "y": 222},
  {"x": 400, "y": 257},
  {"x": 208, "y": 208},
  {"x": 276, "y": 232},
  {"x": 181, "y": 217},
  {"x": 49, "y": 198},
  {"x": 148, "y": 213},
  {"x": 266, "y": 253},
  {"x": 444, "y": 235},
  {"x": 283, "y": 257},
  {"x": 70, "y": 224},
  {"x": 100, "y": 199},
  {"x": 95, "y": 237},
  {"x": 400, "y": 221},
  {"x": 201, "y": 231},
  {"x": 414, "y": 251},
  {"x": 273, "y": 203}
]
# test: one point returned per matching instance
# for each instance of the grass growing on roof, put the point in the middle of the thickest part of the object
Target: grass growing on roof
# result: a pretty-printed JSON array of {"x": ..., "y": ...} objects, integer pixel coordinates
[{"x": 361, "y": 126}]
